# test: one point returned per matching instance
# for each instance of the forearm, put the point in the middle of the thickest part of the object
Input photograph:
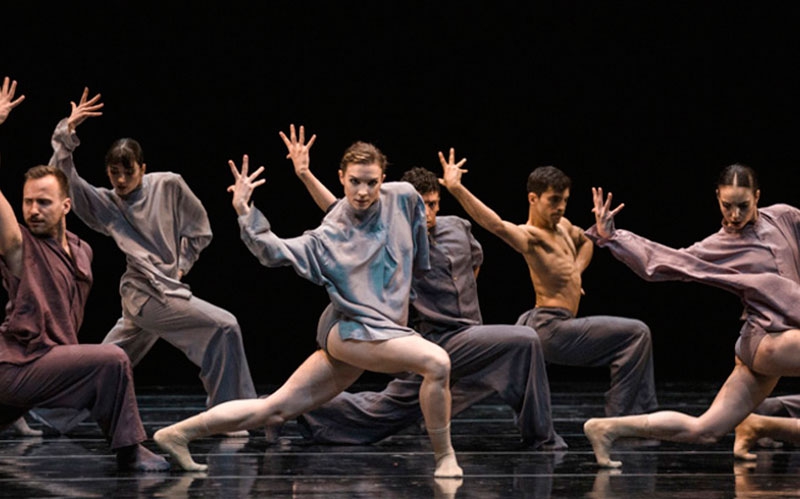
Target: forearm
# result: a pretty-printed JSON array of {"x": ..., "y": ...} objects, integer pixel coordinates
[
  {"x": 584, "y": 255},
  {"x": 323, "y": 197},
  {"x": 478, "y": 211}
]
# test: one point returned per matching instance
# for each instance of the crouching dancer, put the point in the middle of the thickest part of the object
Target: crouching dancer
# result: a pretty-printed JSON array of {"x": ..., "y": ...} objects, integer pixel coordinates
[
  {"x": 47, "y": 273},
  {"x": 363, "y": 253}
]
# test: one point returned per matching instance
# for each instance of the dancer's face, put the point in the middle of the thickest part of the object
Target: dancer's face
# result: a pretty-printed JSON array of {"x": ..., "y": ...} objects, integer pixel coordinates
[
  {"x": 44, "y": 206},
  {"x": 125, "y": 180},
  {"x": 550, "y": 206},
  {"x": 738, "y": 205},
  {"x": 431, "y": 200},
  {"x": 362, "y": 184}
]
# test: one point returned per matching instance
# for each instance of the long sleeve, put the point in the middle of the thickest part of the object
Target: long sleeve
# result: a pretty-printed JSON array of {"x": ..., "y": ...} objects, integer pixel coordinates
[
  {"x": 88, "y": 202},
  {"x": 195, "y": 229},
  {"x": 272, "y": 251}
]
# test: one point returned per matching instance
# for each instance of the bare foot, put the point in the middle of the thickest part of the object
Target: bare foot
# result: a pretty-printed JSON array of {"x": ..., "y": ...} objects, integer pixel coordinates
[
  {"x": 176, "y": 445},
  {"x": 140, "y": 458},
  {"x": 746, "y": 437},
  {"x": 447, "y": 467},
  {"x": 599, "y": 434},
  {"x": 236, "y": 434},
  {"x": 20, "y": 427}
]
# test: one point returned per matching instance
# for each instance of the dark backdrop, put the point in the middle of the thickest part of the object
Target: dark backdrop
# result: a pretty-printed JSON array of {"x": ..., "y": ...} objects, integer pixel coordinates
[{"x": 649, "y": 101}]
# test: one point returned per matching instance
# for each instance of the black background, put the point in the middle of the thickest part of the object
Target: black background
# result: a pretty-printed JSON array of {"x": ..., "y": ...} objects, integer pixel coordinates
[{"x": 649, "y": 100}]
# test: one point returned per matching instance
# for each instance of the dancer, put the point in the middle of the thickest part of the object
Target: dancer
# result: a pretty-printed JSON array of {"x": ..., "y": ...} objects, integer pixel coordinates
[
  {"x": 363, "y": 253},
  {"x": 557, "y": 252},
  {"x": 47, "y": 273},
  {"x": 485, "y": 359},
  {"x": 754, "y": 255},
  {"x": 162, "y": 227}
]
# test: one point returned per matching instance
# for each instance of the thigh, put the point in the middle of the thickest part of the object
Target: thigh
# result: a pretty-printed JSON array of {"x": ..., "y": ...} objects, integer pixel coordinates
[
  {"x": 54, "y": 377},
  {"x": 742, "y": 392},
  {"x": 318, "y": 379},
  {"x": 589, "y": 341},
  {"x": 778, "y": 354},
  {"x": 405, "y": 353},
  {"x": 473, "y": 348}
]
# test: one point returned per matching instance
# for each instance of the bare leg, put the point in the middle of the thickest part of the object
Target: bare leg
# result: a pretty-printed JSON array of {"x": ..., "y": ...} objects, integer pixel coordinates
[
  {"x": 412, "y": 353},
  {"x": 740, "y": 394},
  {"x": 756, "y": 427},
  {"x": 316, "y": 381}
]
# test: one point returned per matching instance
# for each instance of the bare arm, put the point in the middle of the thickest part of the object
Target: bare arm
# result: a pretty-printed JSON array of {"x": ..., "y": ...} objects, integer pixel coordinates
[
  {"x": 298, "y": 153},
  {"x": 584, "y": 246},
  {"x": 10, "y": 233},
  {"x": 484, "y": 216}
]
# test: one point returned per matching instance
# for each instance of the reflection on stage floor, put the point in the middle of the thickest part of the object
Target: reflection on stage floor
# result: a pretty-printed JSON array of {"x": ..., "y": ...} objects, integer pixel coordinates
[{"x": 495, "y": 462}]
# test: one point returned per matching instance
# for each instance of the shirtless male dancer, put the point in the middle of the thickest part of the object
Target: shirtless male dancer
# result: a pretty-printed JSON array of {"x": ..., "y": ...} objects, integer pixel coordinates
[{"x": 557, "y": 252}]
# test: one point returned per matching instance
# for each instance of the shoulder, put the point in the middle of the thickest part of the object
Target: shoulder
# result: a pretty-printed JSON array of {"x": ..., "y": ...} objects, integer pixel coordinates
[
  {"x": 453, "y": 221},
  {"x": 400, "y": 189},
  {"x": 77, "y": 242},
  {"x": 164, "y": 178},
  {"x": 780, "y": 209}
]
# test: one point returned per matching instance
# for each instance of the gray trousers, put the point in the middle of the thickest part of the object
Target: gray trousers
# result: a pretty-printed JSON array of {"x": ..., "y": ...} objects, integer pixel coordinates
[
  {"x": 502, "y": 359},
  {"x": 209, "y": 336},
  {"x": 785, "y": 406},
  {"x": 624, "y": 345},
  {"x": 96, "y": 379}
]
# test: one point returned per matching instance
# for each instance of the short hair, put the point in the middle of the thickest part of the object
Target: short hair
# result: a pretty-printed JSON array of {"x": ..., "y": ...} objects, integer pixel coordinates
[
  {"x": 363, "y": 153},
  {"x": 423, "y": 180},
  {"x": 738, "y": 175},
  {"x": 124, "y": 152},
  {"x": 42, "y": 171},
  {"x": 544, "y": 177}
]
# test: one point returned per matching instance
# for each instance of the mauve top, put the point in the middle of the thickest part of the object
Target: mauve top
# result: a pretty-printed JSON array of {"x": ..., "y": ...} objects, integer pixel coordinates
[
  {"x": 364, "y": 259},
  {"x": 760, "y": 264},
  {"x": 46, "y": 303}
]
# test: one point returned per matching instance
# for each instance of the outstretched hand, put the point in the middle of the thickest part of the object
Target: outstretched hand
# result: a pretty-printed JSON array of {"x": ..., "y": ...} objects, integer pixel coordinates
[
  {"x": 603, "y": 214},
  {"x": 86, "y": 108},
  {"x": 244, "y": 185},
  {"x": 452, "y": 171},
  {"x": 298, "y": 149},
  {"x": 7, "y": 101}
]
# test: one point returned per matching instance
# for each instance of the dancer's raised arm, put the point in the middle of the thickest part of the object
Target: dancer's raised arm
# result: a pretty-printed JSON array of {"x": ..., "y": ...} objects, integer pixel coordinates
[{"x": 298, "y": 153}]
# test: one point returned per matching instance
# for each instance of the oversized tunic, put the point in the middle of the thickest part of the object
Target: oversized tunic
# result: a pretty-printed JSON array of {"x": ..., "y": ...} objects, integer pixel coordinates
[
  {"x": 161, "y": 228},
  {"x": 760, "y": 264},
  {"x": 485, "y": 359},
  {"x": 363, "y": 258}
]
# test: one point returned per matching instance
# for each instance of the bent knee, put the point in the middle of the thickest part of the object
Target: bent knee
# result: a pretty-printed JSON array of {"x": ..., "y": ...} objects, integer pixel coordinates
[{"x": 437, "y": 365}]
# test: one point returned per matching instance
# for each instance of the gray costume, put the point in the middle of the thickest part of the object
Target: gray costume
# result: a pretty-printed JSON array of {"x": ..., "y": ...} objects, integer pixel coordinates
[
  {"x": 161, "y": 227},
  {"x": 501, "y": 359},
  {"x": 364, "y": 259},
  {"x": 601, "y": 340}
]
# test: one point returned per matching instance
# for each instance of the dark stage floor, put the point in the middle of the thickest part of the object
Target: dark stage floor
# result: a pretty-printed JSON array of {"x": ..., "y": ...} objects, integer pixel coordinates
[{"x": 494, "y": 462}]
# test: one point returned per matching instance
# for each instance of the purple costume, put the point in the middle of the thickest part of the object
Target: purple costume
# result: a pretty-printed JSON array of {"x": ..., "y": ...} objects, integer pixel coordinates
[
  {"x": 501, "y": 359},
  {"x": 760, "y": 264},
  {"x": 41, "y": 362}
]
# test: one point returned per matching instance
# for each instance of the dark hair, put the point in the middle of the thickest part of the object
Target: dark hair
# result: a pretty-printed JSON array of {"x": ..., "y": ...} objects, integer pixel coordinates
[
  {"x": 738, "y": 175},
  {"x": 423, "y": 180},
  {"x": 544, "y": 177},
  {"x": 363, "y": 153},
  {"x": 124, "y": 152},
  {"x": 42, "y": 171}
]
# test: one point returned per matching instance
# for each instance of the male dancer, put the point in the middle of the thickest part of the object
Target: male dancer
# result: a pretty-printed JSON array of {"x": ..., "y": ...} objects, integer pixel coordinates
[
  {"x": 557, "y": 252},
  {"x": 47, "y": 273},
  {"x": 485, "y": 359}
]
